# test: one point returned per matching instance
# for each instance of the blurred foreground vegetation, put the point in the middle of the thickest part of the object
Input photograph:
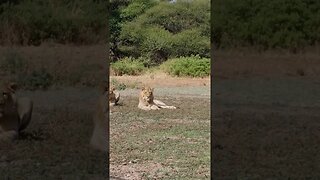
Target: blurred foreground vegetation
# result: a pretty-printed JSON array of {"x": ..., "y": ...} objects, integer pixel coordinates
[{"x": 259, "y": 24}]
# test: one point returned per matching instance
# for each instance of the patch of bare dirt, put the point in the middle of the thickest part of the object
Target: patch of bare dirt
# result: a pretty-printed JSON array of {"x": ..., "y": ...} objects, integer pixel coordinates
[
  {"x": 161, "y": 80},
  {"x": 135, "y": 171}
]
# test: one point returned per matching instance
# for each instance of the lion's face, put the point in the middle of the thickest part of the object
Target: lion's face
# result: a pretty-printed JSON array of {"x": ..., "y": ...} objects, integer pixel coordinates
[
  {"x": 112, "y": 96},
  {"x": 147, "y": 94},
  {"x": 7, "y": 98}
]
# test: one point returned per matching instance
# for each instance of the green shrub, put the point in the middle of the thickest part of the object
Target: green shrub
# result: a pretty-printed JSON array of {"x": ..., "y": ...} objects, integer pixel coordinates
[
  {"x": 118, "y": 85},
  {"x": 38, "y": 79},
  {"x": 157, "y": 44},
  {"x": 166, "y": 30},
  {"x": 193, "y": 66},
  {"x": 12, "y": 63},
  {"x": 136, "y": 8},
  {"x": 179, "y": 16},
  {"x": 190, "y": 42},
  {"x": 128, "y": 65}
]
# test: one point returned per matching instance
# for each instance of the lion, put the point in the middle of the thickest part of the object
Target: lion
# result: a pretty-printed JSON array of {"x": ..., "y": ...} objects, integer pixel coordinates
[
  {"x": 15, "y": 112},
  {"x": 114, "y": 96},
  {"x": 99, "y": 138},
  {"x": 147, "y": 101}
]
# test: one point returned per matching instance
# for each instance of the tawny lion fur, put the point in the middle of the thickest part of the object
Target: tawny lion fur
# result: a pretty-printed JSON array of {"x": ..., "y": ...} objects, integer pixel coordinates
[
  {"x": 15, "y": 112},
  {"x": 113, "y": 96},
  {"x": 147, "y": 101},
  {"x": 99, "y": 138}
]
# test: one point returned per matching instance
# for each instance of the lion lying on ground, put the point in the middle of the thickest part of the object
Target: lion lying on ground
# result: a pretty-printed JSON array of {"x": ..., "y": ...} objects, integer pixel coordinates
[
  {"x": 147, "y": 101},
  {"x": 99, "y": 138},
  {"x": 15, "y": 112}
]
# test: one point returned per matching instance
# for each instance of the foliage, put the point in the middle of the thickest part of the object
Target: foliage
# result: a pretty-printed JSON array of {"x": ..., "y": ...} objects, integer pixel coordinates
[
  {"x": 118, "y": 85},
  {"x": 165, "y": 30},
  {"x": 136, "y": 8},
  {"x": 190, "y": 42},
  {"x": 193, "y": 66},
  {"x": 128, "y": 65}
]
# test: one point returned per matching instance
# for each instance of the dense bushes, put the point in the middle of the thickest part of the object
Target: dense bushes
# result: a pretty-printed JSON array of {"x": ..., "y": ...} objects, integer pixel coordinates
[
  {"x": 30, "y": 22},
  {"x": 193, "y": 66},
  {"x": 266, "y": 24},
  {"x": 164, "y": 30}
]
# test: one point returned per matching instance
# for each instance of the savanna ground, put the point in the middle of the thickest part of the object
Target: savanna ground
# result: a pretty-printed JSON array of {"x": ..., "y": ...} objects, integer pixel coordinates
[{"x": 266, "y": 115}]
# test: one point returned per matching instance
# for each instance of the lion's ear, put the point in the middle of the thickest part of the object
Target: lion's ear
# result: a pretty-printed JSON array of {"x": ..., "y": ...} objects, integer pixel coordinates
[
  {"x": 12, "y": 86},
  {"x": 112, "y": 88},
  {"x": 143, "y": 88}
]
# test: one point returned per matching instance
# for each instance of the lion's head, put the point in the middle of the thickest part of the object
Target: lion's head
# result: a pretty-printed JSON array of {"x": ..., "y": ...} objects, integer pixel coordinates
[
  {"x": 147, "y": 94},
  {"x": 112, "y": 96},
  {"x": 7, "y": 98}
]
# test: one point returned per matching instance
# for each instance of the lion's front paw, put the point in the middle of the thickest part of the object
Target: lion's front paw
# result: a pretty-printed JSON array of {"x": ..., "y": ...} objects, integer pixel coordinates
[{"x": 155, "y": 107}]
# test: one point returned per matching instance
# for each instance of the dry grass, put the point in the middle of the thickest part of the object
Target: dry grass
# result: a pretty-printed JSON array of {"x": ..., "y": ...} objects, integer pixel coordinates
[{"x": 159, "y": 79}]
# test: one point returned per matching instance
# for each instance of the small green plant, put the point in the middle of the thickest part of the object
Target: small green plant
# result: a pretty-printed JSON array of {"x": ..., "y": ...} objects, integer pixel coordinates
[
  {"x": 193, "y": 66},
  {"x": 128, "y": 65},
  {"x": 118, "y": 85},
  {"x": 38, "y": 79},
  {"x": 12, "y": 62}
]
